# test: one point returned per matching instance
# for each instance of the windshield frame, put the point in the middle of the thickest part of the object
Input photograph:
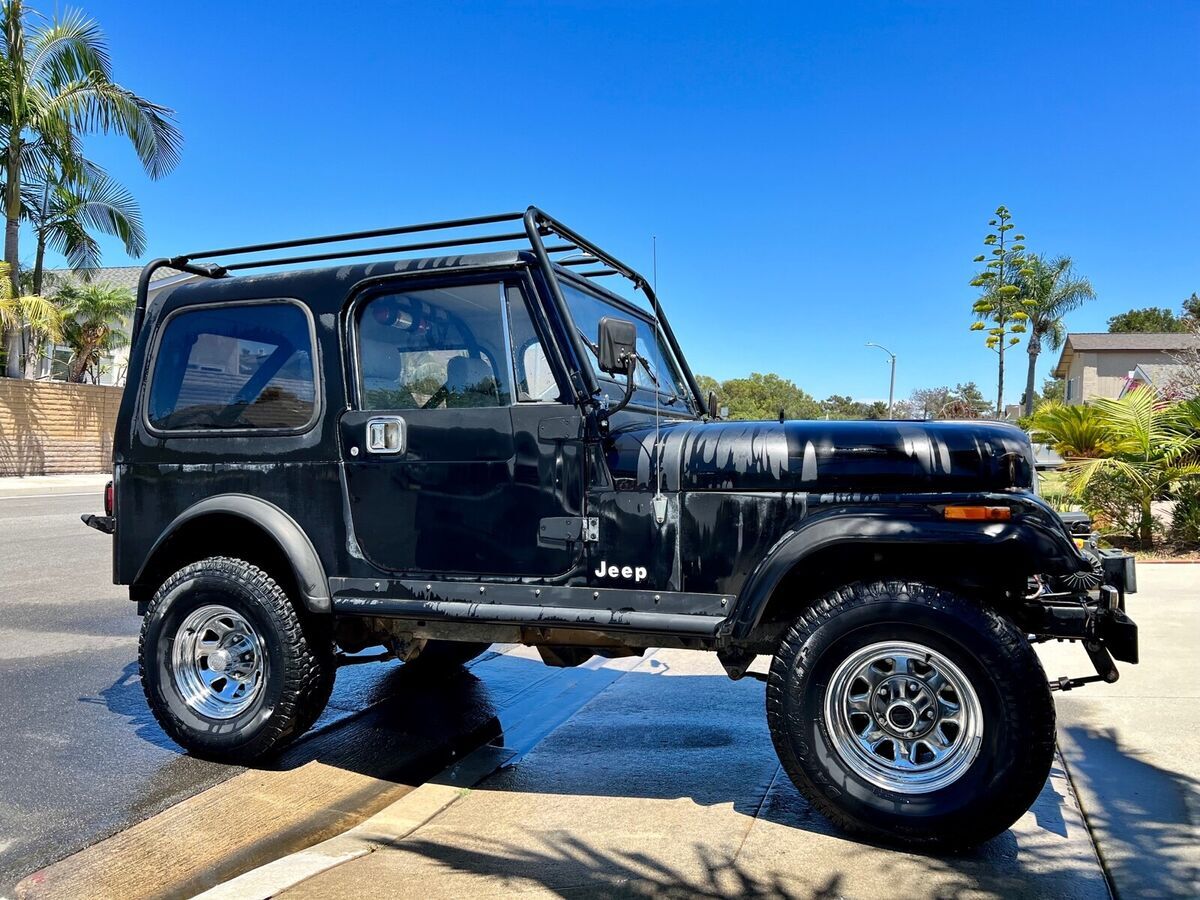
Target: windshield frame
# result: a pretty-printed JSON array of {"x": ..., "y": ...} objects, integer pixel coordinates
[{"x": 678, "y": 405}]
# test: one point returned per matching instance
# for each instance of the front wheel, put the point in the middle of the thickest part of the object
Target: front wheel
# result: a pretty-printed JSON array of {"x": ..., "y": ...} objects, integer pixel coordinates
[
  {"x": 230, "y": 669},
  {"x": 908, "y": 714}
]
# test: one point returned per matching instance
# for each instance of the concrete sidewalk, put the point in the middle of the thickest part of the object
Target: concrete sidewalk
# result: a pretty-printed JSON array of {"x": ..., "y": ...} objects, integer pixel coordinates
[
  {"x": 1131, "y": 746},
  {"x": 53, "y": 485},
  {"x": 667, "y": 784}
]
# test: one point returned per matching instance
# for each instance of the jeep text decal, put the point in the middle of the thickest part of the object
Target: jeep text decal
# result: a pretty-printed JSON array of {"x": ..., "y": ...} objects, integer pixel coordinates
[{"x": 637, "y": 573}]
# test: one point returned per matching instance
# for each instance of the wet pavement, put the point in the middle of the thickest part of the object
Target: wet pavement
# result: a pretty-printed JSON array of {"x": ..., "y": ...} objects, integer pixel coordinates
[{"x": 81, "y": 756}]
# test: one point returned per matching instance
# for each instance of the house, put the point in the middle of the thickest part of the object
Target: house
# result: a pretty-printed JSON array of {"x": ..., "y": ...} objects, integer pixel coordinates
[
  {"x": 112, "y": 369},
  {"x": 1109, "y": 365}
]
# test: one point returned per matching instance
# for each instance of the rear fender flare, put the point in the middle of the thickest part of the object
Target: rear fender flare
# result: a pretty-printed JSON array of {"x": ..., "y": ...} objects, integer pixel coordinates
[{"x": 273, "y": 521}]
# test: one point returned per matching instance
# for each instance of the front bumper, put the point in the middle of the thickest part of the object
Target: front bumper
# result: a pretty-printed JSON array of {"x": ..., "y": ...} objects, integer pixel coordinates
[{"x": 1097, "y": 618}]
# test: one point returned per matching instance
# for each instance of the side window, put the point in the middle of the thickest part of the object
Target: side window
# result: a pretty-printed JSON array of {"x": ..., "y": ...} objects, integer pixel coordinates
[
  {"x": 241, "y": 366},
  {"x": 434, "y": 348},
  {"x": 535, "y": 379}
]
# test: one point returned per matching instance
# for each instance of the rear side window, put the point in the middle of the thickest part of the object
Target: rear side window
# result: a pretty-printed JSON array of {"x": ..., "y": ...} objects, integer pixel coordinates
[{"x": 247, "y": 366}]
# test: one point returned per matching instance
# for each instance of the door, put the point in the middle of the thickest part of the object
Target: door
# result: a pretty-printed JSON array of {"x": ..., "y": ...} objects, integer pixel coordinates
[{"x": 453, "y": 454}]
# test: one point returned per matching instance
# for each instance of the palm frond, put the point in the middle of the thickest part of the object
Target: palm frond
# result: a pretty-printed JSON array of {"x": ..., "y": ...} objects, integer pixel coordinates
[
  {"x": 96, "y": 104},
  {"x": 69, "y": 48}
]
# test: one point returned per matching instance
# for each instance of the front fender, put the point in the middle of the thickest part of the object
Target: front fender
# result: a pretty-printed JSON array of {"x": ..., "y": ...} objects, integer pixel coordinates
[
  {"x": 1033, "y": 536},
  {"x": 282, "y": 528}
]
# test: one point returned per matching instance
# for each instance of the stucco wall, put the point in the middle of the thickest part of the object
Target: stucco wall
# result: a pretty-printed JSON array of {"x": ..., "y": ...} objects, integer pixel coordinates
[
  {"x": 49, "y": 428},
  {"x": 1102, "y": 374}
]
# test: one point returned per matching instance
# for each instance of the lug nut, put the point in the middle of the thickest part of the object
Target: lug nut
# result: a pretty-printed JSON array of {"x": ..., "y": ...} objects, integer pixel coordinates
[{"x": 912, "y": 685}]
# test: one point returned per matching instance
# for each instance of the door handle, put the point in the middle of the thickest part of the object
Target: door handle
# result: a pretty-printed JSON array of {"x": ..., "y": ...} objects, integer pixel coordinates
[{"x": 387, "y": 434}]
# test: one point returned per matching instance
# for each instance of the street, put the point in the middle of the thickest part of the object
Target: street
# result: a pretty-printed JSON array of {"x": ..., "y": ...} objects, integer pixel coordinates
[{"x": 82, "y": 756}]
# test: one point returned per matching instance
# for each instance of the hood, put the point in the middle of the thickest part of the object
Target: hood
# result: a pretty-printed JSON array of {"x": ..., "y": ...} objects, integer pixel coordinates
[{"x": 822, "y": 457}]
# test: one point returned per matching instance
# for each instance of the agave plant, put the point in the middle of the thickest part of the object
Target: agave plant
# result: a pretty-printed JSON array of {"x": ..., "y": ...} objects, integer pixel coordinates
[{"x": 1150, "y": 445}]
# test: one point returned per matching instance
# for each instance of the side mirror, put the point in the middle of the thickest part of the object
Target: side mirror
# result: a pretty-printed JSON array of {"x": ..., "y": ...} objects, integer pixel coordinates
[
  {"x": 713, "y": 411},
  {"x": 617, "y": 343}
]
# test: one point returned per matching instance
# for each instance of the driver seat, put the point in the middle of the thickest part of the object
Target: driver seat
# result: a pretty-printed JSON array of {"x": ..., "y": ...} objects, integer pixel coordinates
[{"x": 470, "y": 383}]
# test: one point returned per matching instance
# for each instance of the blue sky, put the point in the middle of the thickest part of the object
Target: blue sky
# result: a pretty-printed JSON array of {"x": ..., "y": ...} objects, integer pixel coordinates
[{"x": 818, "y": 175}]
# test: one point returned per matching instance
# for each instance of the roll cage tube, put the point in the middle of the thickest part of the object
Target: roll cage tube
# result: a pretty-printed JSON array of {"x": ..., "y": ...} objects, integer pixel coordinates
[
  {"x": 583, "y": 381},
  {"x": 538, "y": 223}
]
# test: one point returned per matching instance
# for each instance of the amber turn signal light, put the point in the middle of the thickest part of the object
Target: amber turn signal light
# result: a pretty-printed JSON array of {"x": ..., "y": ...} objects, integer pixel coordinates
[{"x": 979, "y": 513}]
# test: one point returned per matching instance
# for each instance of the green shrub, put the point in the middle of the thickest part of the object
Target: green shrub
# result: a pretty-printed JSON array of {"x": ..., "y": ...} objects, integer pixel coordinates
[
  {"x": 1114, "y": 503},
  {"x": 1185, "y": 520}
]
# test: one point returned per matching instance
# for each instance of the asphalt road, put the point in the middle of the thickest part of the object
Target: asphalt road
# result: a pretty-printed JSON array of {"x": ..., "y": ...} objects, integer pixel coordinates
[{"x": 81, "y": 756}]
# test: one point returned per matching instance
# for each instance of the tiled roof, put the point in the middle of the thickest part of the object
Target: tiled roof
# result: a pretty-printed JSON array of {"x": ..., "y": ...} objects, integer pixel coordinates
[
  {"x": 1134, "y": 341},
  {"x": 116, "y": 276}
]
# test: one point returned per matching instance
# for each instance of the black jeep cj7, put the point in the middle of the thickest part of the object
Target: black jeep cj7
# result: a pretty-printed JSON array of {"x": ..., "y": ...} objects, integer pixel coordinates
[{"x": 436, "y": 454}]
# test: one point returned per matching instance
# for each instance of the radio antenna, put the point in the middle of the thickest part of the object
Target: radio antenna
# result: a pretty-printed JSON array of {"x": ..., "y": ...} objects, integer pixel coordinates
[{"x": 660, "y": 501}]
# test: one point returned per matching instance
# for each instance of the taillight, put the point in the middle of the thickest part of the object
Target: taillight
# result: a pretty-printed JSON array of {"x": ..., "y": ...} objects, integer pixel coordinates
[{"x": 108, "y": 499}]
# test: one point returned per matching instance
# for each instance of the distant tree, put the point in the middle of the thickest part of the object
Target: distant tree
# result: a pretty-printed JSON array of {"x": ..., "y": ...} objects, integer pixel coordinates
[
  {"x": 1049, "y": 289},
  {"x": 963, "y": 401},
  {"x": 1054, "y": 390},
  {"x": 840, "y": 406},
  {"x": 1184, "y": 384},
  {"x": 56, "y": 85},
  {"x": 1000, "y": 304},
  {"x": 1152, "y": 319},
  {"x": 763, "y": 396},
  {"x": 1191, "y": 307},
  {"x": 708, "y": 383},
  {"x": 92, "y": 316}
]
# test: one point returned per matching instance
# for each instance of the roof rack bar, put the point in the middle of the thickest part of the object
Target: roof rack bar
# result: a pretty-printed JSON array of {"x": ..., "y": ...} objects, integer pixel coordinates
[
  {"x": 376, "y": 251},
  {"x": 358, "y": 235}
]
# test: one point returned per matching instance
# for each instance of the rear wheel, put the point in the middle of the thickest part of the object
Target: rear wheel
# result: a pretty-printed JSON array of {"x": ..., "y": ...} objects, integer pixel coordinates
[
  {"x": 908, "y": 714},
  {"x": 230, "y": 669}
]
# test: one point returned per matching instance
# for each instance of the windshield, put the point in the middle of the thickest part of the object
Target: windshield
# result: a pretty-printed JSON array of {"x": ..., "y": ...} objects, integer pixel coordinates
[{"x": 587, "y": 310}]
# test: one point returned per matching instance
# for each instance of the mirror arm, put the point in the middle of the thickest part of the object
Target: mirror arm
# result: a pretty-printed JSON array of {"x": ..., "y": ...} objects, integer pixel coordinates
[{"x": 630, "y": 368}]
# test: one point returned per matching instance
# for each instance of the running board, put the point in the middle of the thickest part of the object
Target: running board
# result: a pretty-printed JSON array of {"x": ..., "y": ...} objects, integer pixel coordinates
[{"x": 538, "y": 616}]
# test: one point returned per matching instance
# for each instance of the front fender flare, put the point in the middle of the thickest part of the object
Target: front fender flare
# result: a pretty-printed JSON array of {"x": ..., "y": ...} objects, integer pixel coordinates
[
  {"x": 1029, "y": 538},
  {"x": 281, "y": 527}
]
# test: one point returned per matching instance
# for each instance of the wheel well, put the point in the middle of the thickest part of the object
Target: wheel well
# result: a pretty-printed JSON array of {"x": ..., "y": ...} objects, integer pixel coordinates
[
  {"x": 994, "y": 575},
  {"x": 217, "y": 534}
]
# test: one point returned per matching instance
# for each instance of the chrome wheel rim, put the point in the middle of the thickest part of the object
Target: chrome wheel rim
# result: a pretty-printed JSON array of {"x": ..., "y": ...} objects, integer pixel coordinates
[
  {"x": 217, "y": 662},
  {"x": 904, "y": 717}
]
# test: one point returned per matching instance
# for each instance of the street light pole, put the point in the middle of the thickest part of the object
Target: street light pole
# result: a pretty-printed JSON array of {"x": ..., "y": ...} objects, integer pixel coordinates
[{"x": 892, "y": 386}]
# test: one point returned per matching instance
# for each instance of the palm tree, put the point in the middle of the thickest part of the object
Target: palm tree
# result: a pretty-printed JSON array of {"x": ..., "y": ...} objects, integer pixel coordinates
[
  {"x": 56, "y": 83},
  {"x": 1049, "y": 290},
  {"x": 65, "y": 211},
  {"x": 26, "y": 314},
  {"x": 92, "y": 314},
  {"x": 1150, "y": 446}
]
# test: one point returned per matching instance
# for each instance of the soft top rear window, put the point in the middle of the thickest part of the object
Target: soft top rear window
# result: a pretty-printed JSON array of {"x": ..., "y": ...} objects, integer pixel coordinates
[{"x": 239, "y": 366}]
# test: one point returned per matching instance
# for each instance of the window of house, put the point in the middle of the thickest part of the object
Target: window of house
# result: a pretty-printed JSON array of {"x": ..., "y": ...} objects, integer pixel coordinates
[
  {"x": 442, "y": 347},
  {"x": 247, "y": 366}
]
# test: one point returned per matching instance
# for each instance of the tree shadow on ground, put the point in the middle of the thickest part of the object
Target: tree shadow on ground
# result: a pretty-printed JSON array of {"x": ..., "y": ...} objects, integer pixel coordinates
[{"x": 1147, "y": 819}]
